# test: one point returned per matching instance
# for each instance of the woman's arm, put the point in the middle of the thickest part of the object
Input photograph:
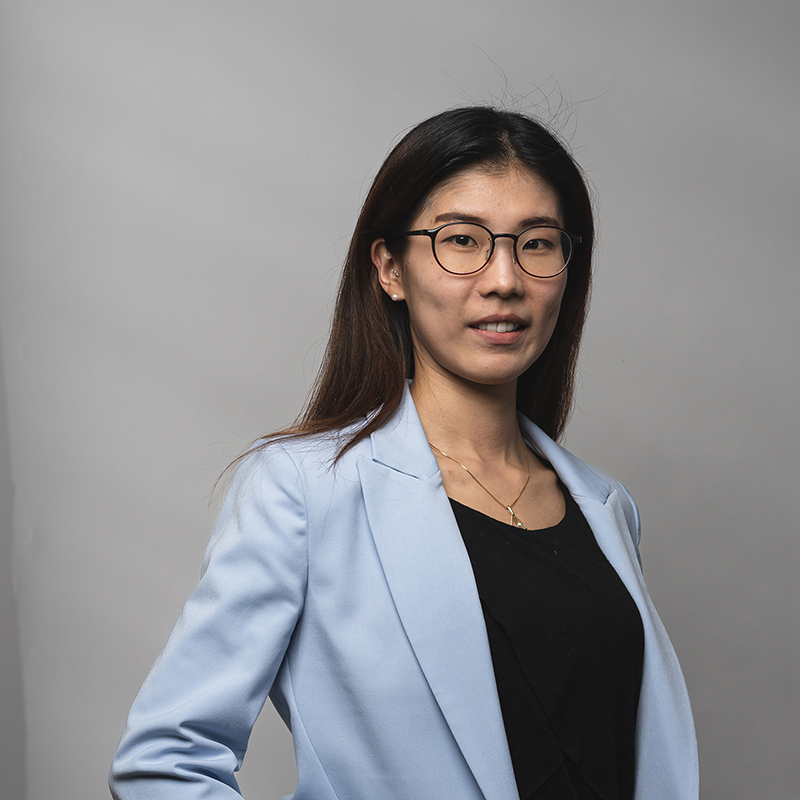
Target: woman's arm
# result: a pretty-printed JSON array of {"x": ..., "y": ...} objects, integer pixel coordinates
[{"x": 188, "y": 728}]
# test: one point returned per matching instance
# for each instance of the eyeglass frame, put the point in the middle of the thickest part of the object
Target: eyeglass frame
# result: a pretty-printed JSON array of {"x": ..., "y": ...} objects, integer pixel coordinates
[{"x": 432, "y": 233}]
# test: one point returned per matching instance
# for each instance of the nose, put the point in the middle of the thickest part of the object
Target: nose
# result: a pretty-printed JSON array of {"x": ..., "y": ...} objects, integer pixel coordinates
[{"x": 502, "y": 275}]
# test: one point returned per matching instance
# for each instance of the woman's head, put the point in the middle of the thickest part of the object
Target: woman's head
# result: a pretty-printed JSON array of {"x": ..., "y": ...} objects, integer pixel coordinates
[
  {"x": 482, "y": 277},
  {"x": 370, "y": 350}
]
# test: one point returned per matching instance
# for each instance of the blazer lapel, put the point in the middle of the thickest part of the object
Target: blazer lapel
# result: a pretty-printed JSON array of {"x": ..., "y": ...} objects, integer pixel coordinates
[
  {"x": 431, "y": 580},
  {"x": 665, "y": 734}
]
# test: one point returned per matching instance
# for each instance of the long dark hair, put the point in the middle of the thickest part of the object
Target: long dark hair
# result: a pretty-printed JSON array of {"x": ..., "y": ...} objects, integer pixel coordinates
[{"x": 369, "y": 354}]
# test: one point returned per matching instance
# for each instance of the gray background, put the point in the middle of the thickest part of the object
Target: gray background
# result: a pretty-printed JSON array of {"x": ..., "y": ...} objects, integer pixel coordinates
[{"x": 178, "y": 183}]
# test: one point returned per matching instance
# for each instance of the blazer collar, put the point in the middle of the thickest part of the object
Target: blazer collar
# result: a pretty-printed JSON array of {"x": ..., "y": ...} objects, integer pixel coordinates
[
  {"x": 401, "y": 445},
  {"x": 578, "y": 477}
]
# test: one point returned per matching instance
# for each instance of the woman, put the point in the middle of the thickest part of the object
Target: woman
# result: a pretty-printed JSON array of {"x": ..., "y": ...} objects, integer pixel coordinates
[{"x": 440, "y": 601}]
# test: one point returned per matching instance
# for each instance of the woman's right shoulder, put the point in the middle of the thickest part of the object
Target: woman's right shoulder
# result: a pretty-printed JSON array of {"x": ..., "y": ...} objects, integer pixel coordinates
[
  {"x": 290, "y": 480},
  {"x": 315, "y": 457}
]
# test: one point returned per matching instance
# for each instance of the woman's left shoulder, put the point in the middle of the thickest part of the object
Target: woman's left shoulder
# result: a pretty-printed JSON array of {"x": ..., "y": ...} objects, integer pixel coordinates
[
  {"x": 619, "y": 493},
  {"x": 580, "y": 477}
]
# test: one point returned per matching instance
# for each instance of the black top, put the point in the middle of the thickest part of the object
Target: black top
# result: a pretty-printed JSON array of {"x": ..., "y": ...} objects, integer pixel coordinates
[{"x": 567, "y": 646}]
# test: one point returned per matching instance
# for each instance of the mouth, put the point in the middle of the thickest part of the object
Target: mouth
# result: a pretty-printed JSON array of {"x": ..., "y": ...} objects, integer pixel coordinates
[
  {"x": 498, "y": 327},
  {"x": 500, "y": 323}
]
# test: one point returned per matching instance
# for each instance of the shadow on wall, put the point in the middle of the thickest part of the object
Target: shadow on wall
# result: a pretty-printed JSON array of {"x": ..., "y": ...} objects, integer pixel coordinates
[{"x": 12, "y": 718}]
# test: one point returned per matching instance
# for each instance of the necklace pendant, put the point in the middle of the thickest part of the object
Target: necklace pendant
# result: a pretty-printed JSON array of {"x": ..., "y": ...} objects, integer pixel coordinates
[{"x": 515, "y": 520}]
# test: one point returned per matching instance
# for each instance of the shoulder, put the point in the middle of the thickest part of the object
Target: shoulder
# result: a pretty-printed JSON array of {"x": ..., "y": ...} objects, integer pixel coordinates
[
  {"x": 306, "y": 464},
  {"x": 621, "y": 496},
  {"x": 280, "y": 490},
  {"x": 581, "y": 478}
]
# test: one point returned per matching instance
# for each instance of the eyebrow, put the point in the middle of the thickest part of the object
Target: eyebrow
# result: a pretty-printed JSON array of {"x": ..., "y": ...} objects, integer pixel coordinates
[{"x": 457, "y": 216}]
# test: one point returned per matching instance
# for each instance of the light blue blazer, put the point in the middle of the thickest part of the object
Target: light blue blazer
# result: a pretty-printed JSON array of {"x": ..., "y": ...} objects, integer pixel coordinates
[{"x": 347, "y": 596}]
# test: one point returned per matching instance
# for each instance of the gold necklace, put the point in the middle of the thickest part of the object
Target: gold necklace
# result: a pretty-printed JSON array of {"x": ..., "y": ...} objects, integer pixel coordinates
[{"x": 515, "y": 520}]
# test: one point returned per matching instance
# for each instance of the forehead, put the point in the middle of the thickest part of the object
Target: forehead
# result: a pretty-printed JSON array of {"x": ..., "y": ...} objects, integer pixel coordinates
[{"x": 486, "y": 190}]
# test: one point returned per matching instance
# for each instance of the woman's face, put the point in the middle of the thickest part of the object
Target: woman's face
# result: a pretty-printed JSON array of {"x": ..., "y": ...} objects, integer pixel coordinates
[{"x": 452, "y": 316}]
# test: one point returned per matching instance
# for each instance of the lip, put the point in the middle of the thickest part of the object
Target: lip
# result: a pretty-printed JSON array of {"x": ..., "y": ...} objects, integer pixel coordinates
[
  {"x": 507, "y": 318},
  {"x": 504, "y": 337}
]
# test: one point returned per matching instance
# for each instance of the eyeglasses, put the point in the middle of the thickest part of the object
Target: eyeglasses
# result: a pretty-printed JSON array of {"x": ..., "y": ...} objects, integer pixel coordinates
[{"x": 463, "y": 248}]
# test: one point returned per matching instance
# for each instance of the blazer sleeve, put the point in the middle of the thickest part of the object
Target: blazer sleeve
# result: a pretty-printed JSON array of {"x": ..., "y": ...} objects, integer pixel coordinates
[{"x": 188, "y": 728}]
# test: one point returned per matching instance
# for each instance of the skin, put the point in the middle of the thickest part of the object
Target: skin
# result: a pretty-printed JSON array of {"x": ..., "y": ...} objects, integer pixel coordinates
[{"x": 465, "y": 378}]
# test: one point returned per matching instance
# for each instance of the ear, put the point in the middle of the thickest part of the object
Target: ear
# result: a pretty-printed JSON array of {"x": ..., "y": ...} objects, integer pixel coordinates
[{"x": 389, "y": 273}]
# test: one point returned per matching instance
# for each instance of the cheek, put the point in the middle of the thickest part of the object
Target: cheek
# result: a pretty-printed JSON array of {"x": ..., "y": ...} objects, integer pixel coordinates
[
  {"x": 426, "y": 320},
  {"x": 549, "y": 310},
  {"x": 550, "y": 301},
  {"x": 430, "y": 301}
]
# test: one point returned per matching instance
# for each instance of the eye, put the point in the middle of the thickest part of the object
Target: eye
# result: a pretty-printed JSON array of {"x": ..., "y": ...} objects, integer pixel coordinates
[
  {"x": 461, "y": 240},
  {"x": 460, "y": 237},
  {"x": 535, "y": 244},
  {"x": 539, "y": 241}
]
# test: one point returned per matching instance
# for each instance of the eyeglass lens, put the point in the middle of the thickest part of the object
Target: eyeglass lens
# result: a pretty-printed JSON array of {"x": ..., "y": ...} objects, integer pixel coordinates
[{"x": 463, "y": 247}]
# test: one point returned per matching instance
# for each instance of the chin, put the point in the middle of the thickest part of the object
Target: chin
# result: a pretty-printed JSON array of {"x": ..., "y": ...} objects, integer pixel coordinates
[
  {"x": 499, "y": 377},
  {"x": 492, "y": 379}
]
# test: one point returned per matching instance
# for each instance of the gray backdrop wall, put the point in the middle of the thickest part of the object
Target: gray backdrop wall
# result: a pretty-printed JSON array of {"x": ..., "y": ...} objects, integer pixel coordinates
[{"x": 162, "y": 163}]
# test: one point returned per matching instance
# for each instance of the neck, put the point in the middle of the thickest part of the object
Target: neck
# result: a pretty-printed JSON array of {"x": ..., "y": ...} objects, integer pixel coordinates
[{"x": 470, "y": 421}]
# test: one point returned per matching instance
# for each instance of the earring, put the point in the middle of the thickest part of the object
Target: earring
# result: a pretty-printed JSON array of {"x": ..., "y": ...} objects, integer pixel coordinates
[
  {"x": 395, "y": 272},
  {"x": 395, "y": 297}
]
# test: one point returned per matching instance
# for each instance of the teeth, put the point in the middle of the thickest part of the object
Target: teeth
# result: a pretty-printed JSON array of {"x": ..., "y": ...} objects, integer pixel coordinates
[{"x": 498, "y": 327}]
